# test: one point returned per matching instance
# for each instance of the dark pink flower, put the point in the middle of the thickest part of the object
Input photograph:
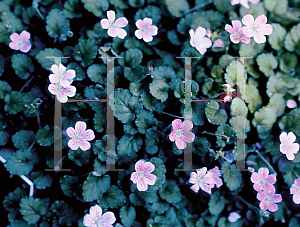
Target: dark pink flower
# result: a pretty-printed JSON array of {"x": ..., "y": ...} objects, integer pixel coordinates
[
  {"x": 268, "y": 199},
  {"x": 20, "y": 42},
  {"x": 236, "y": 32},
  {"x": 142, "y": 176},
  {"x": 80, "y": 136},
  {"x": 145, "y": 29},
  {"x": 96, "y": 219},
  {"x": 262, "y": 180},
  {"x": 202, "y": 179},
  {"x": 295, "y": 191},
  {"x": 287, "y": 146},
  {"x": 181, "y": 133},
  {"x": 218, "y": 43}
]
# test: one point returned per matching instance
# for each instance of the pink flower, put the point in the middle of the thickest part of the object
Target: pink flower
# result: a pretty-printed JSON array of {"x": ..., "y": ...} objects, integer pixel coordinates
[
  {"x": 216, "y": 175},
  {"x": 145, "y": 29},
  {"x": 268, "y": 199},
  {"x": 208, "y": 33},
  {"x": 199, "y": 41},
  {"x": 237, "y": 32},
  {"x": 295, "y": 189},
  {"x": 80, "y": 136},
  {"x": 142, "y": 176},
  {"x": 202, "y": 180},
  {"x": 96, "y": 219},
  {"x": 61, "y": 92},
  {"x": 244, "y": 2},
  {"x": 234, "y": 216},
  {"x": 181, "y": 133},
  {"x": 61, "y": 75},
  {"x": 291, "y": 104},
  {"x": 114, "y": 27},
  {"x": 262, "y": 180},
  {"x": 258, "y": 28},
  {"x": 288, "y": 146},
  {"x": 20, "y": 42},
  {"x": 218, "y": 43}
]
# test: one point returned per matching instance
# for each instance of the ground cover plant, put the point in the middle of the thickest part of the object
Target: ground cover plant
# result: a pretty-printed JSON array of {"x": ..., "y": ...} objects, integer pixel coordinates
[{"x": 203, "y": 97}]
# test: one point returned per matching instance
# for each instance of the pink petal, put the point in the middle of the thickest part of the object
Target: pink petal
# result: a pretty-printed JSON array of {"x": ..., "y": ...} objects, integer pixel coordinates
[
  {"x": 88, "y": 220},
  {"x": 73, "y": 144},
  {"x": 80, "y": 127},
  {"x": 71, "y": 132},
  {"x": 259, "y": 38},
  {"x": 276, "y": 198},
  {"x": 201, "y": 172},
  {"x": 54, "y": 69},
  {"x": 180, "y": 143},
  {"x": 265, "y": 29},
  {"x": 200, "y": 33},
  {"x": 228, "y": 28},
  {"x": 105, "y": 23},
  {"x": 189, "y": 137},
  {"x": 121, "y": 22},
  {"x": 172, "y": 136},
  {"x": 245, "y": 39},
  {"x": 234, "y": 2},
  {"x": 13, "y": 46},
  {"x": 263, "y": 173},
  {"x": 192, "y": 34},
  {"x": 209, "y": 178},
  {"x": 268, "y": 188},
  {"x": 52, "y": 89},
  {"x": 296, "y": 198},
  {"x": 218, "y": 43},
  {"x": 254, "y": 1},
  {"x": 70, "y": 74},
  {"x": 193, "y": 178},
  {"x": 139, "y": 23},
  {"x": 272, "y": 207},
  {"x": 261, "y": 195},
  {"x": 62, "y": 69},
  {"x": 248, "y": 20},
  {"x": 26, "y": 46},
  {"x": 290, "y": 155},
  {"x": 234, "y": 40},
  {"x": 244, "y": 3},
  {"x": 134, "y": 177},
  {"x": 14, "y": 37},
  {"x": 108, "y": 218},
  {"x": 62, "y": 97},
  {"x": 263, "y": 205},
  {"x": 218, "y": 181},
  {"x": 283, "y": 137},
  {"x": 195, "y": 188},
  {"x": 294, "y": 148},
  {"x": 69, "y": 91},
  {"x": 53, "y": 78},
  {"x": 138, "y": 34},
  {"x": 271, "y": 179},
  {"x": 152, "y": 30},
  {"x": 96, "y": 211},
  {"x": 202, "y": 50},
  {"x": 65, "y": 83},
  {"x": 254, "y": 178},
  {"x": 114, "y": 32},
  {"x": 88, "y": 135},
  {"x": 84, "y": 145},
  {"x": 141, "y": 185},
  {"x": 147, "y": 37},
  {"x": 205, "y": 188},
  {"x": 248, "y": 31},
  {"x": 282, "y": 149},
  {"x": 257, "y": 187},
  {"x": 139, "y": 166},
  {"x": 149, "y": 178},
  {"x": 148, "y": 167},
  {"x": 260, "y": 20},
  {"x": 292, "y": 189},
  {"x": 206, "y": 42},
  {"x": 147, "y": 22},
  {"x": 111, "y": 16},
  {"x": 187, "y": 125},
  {"x": 177, "y": 124},
  {"x": 236, "y": 25},
  {"x": 291, "y": 138},
  {"x": 291, "y": 104},
  {"x": 24, "y": 35}
]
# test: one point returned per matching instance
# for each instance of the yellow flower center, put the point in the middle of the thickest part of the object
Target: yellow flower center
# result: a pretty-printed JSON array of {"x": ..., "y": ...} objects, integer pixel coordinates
[
  {"x": 178, "y": 133},
  {"x": 77, "y": 137}
]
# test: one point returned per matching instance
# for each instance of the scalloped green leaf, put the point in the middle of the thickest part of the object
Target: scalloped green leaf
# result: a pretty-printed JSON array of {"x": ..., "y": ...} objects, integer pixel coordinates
[
  {"x": 79, "y": 156},
  {"x": 112, "y": 198},
  {"x": 21, "y": 162},
  {"x": 267, "y": 63},
  {"x": 15, "y": 102},
  {"x": 136, "y": 3},
  {"x": 96, "y": 73},
  {"x": 241, "y": 124},
  {"x": 170, "y": 192},
  {"x": 264, "y": 119},
  {"x": 251, "y": 49},
  {"x": 95, "y": 6},
  {"x": 12, "y": 200},
  {"x": 41, "y": 180},
  {"x": 151, "y": 141},
  {"x": 159, "y": 172},
  {"x": 290, "y": 122},
  {"x": 32, "y": 209},
  {"x": 149, "y": 11},
  {"x": 94, "y": 187},
  {"x": 276, "y": 6},
  {"x": 135, "y": 73},
  {"x": 68, "y": 185},
  {"x": 4, "y": 136},
  {"x": 277, "y": 101},
  {"x": 144, "y": 121},
  {"x": 46, "y": 57},
  {"x": 275, "y": 85},
  {"x": 23, "y": 139},
  {"x": 57, "y": 24},
  {"x": 292, "y": 39},
  {"x": 252, "y": 97},
  {"x": 4, "y": 88},
  {"x": 22, "y": 65},
  {"x": 225, "y": 130},
  {"x": 235, "y": 74},
  {"x": 177, "y": 8},
  {"x": 255, "y": 10},
  {"x": 99, "y": 121},
  {"x": 85, "y": 52},
  {"x": 179, "y": 91},
  {"x": 72, "y": 9},
  {"x": 215, "y": 115},
  {"x": 276, "y": 39},
  {"x": 238, "y": 107},
  {"x": 131, "y": 57},
  {"x": 288, "y": 62},
  {"x": 45, "y": 136},
  {"x": 159, "y": 90},
  {"x": 127, "y": 215},
  {"x": 128, "y": 145},
  {"x": 216, "y": 203},
  {"x": 233, "y": 179}
]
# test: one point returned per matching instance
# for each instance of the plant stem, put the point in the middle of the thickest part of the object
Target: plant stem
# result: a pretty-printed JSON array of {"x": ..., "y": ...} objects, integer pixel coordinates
[
  {"x": 38, "y": 118},
  {"x": 197, "y": 7},
  {"x": 31, "y": 146},
  {"x": 168, "y": 114},
  {"x": 248, "y": 204},
  {"x": 35, "y": 6},
  {"x": 26, "y": 84},
  {"x": 262, "y": 157},
  {"x": 213, "y": 134},
  {"x": 296, "y": 173}
]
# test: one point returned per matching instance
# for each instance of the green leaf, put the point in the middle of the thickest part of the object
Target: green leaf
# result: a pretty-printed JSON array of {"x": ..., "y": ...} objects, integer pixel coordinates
[
  {"x": 159, "y": 172},
  {"x": 21, "y": 162},
  {"x": 134, "y": 74},
  {"x": 4, "y": 88},
  {"x": 23, "y": 139},
  {"x": 85, "y": 52},
  {"x": 79, "y": 72},
  {"x": 57, "y": 24},
  {"x": 264, "y": 119},
  {"x": 99, "y": 121},
  {"x": 131, "y": 57},
  {"x": 135, "y": 88},
  {"x": 95, "y": 6},
  {"x": 44, "y": 136},
  {"x": 126, "y": 105},
  {"x": 266, "y": 63},
  {"x": 12, "y": 200},
  {"x": 235, "y": 74},
  {"x": 94, "y": 187},
  {"x": 136, "y": 3},
  {"x": 43, "y": 57},
  {"x": 233, "y": 179},
  {"x": 294, "y": 222},
  {"x": 255, "y": 10},
  {"x": 201, "y": 145},
  {"x": 127, "y": 215},
  {"x": 241, "y": 124},
  {"x": 277, "y": 101},
  {"x": 128, "y": 145},
  {"x": 151, "y": 141},
  {"x": 276, "y": 6},
  {"x": 177, "y": 8},
  {"x": 238, "y": 107},
  {"x": 224, "y": 222},
  {"x": 79, "y": 156},
  {"x": 252, "y": 97},
  {"x": 99, "y": 149},
  {"x": 66, "y": 214},
  {"x": 72, "y": 9},
  {"x": 251, "y": 49},
  {"x": 173, "y": 37},
  {"x": 292, "y": 40},
  {"x": 216, "y": 203},
  {"x": 288, "y": 62},
  {"x": 158, "y": 207},
  {"x": 215, "y": 115},
  {"x": 97, "y": 74},
  {"x": 41, "y": 180},
  {"x": 276, "y": 39},
  {"x": 22, "y": 65},
  {"x": 120, "y": 4},
  {"x": 4, "y": 136},
  {"x": 149, "y": 11},
  {"x": 170, "y": 192},
  {"x": 225, "y": 130},
  {"x": 68, "y": 185},
  {"x": 275, "y": 85},
  {"x": 15, "y": 102},
  {"x": 145, "y": 120},
  {"x": 32, "y": 209},
  {"x": 159, "y": 89},
  {"x": 198, "y": 116},
  {"x": 179, "y": 91},
  {"x": 112, "y": 198},
  {"x": 290, "y": 121}
]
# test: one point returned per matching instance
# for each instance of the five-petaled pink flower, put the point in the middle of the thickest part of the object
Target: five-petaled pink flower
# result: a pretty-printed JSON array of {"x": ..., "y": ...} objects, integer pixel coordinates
[
  {"x": 244, "y": 2},
  {"x": 20, "y": 42},
  {"x": 202, "y": 179},
  {"x": 181, "y": 133},
  {"x": 114, "y": 27},
  {"x": 61, "y": 92},
  {"x": 218, "y": 43},
  {"x": 295, "y": 190},
  {"x": 287, "y": 146},
  {"x": 145, "y": 29},
  {"x": 262, "y": 180},
  {"x": 268, "y": 199},
  {"x": 216, "y": 175},
  {"x": 258, "y": 28},
  {"x": 142, "y": 177},
  {"x": 61, "y": 75},
  {"x": 199, "y": 40},
  {"x": 80, "y": 136},
  {"x": 236, "y": 32},
  {"x": 96, "y": 219}
]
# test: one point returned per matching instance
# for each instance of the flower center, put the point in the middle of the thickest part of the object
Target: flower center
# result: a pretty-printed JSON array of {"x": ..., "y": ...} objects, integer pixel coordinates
[
  {"x": 140, "y": 174},
  {"x": 284, "y": 146},
  {"x": 19, "y": 43},
  {"x": 236, "y": 35},
  {"x": 178, "y": 133},
  {"x": 297, "y": 189},
  {"x": 262, "y": 181},
  {"x": 199, "y": 181},
  {"x": 143, "y": 29},
  {"x": 77, "y": 137},
  {"x": 98, "y": 222},
  {"x": 267, "y": 199},
  {"x": 59, "y": 88},
  {"x": 255, "y": 28}
]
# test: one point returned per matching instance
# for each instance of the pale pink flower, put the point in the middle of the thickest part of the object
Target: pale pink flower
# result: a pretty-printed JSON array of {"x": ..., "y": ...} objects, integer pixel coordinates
[
  {"x": 96, "y": 219},
  {"x": 80, "y": 136},
  {"x": 145, "y": 29},
  {"x": 142, "y": 176},
  {"x": 236, "y": 32},
  {"x": 295, "y": 189},
  {"x": 208, "y": 33},
  {"x": 199, "y": 40},
  {"x": 61, "y": 75},
  {"x": 268, "y": 199},
  {"x": 61, "y": 92},
  {"x": 114, "y": 27},
  {"x": 258, "y": 28},
  {"x": 262, "y": 180},
  {"x": 234, "y": 216},
  {"x": 287, "y": 146},
  {"x": 244, "y": 2},
  {"x": 150, "y": 68},
  {"x": 218, "y": 43},
  {"x": 216, "y": 175},
  {"x": 20, "y": 42},
  {"x": 202, "y": 179},
  {"x": 291, "y": 104},
  {"x": 181, "y": 133}
]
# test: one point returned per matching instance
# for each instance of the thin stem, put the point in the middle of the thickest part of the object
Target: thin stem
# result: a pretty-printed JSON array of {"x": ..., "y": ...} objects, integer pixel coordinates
[
  {"x": 38, "y": 119},
  {"x": 249, "y": 204},
  {"x": 26, "y": 84},
  {"x": 197, "y": 7},
  {"x": 35, "y": 6},
  {"x": 168, "y": 114},
  {"x": 213, "y": 134},
  {"x": 296, "y": 173},
  {"x": 31, "y": 146},
  {"x": 262, "y": 157}
]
